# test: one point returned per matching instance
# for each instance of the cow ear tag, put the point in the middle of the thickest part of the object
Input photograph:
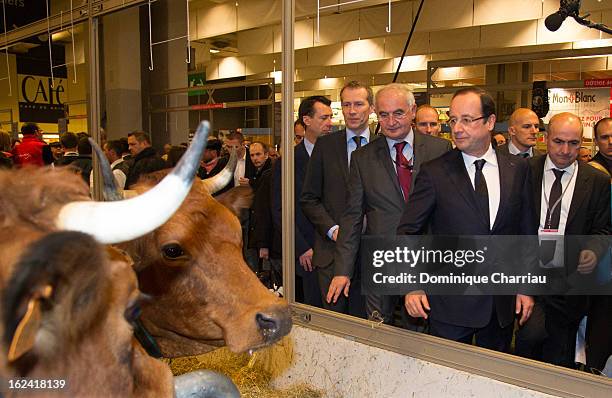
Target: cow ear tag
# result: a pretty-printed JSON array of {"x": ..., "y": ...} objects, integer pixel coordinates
[{"x": 25, "y": 334}]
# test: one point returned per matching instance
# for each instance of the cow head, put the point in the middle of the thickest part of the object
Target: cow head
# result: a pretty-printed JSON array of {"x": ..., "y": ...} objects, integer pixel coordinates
[
  {"x": 66, "y": 312},
  {"x": 204, "y": 293}
]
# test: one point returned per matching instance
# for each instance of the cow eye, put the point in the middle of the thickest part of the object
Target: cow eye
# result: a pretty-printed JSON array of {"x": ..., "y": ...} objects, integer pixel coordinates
[{"x": 172, "y": 251}]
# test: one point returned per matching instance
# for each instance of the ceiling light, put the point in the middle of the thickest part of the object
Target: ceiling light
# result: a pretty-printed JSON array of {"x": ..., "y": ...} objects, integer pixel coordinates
[{"x": 214, "y": 51}]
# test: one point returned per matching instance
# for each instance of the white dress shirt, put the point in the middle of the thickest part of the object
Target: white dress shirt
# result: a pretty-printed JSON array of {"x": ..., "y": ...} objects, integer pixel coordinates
[
  {"x": 568, "y": 183},
  {"x": 490, "y": 171},
  {"x": 350, "y": 143},
  {"x": 309, "y": 146},
  {"x": 239, "y": 172},
  {"x": 515, "y": 151}
]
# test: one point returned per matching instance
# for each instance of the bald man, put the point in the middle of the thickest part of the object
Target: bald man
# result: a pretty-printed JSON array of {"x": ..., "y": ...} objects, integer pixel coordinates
[
  {"x": 603, "y": 138},
  {"x": 571, "y": 198},
  {"x": 523, "y": 129},
  {"x": 426, "y": 120}
]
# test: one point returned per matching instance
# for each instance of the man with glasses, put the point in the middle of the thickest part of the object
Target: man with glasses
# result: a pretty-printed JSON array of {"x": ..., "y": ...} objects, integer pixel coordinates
[
  {"x": 325, "y": 193},
  {"x": 380, "y": 182},
  {"x": 472, "y": 190},
  {"x": 426, "y": 120}
]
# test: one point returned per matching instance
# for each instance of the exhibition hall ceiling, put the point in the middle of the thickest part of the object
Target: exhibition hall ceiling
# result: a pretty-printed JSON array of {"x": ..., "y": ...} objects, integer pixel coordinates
[{"x": 245, "y": 38}]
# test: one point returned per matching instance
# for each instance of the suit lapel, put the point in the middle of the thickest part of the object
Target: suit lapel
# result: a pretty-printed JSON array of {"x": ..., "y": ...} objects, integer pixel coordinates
[
  {"x": 459, "y": 177},
  {"x": 420, "y": 152},
  {"x": 505, "y": 166},
  {"x": 384, "y": 157},
  {"x": 341, "y": 149},
  {"x": 581, "y": 191},
  {"x": 537, "y": 174}
]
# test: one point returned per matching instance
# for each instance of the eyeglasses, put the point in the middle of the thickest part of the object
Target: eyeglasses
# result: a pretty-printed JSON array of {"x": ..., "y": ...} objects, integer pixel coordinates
[
  {"x": 465, "y": 120},
  {"x": 397, "y": 115}
]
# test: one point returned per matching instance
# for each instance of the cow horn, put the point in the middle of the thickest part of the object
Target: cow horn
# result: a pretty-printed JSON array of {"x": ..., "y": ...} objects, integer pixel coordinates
[
  {"x": 109, "y": 185},
  {"x": 218, "y": 182},
  {"x": 204, "y": 384},
  {"x": 120, "y": 221}
]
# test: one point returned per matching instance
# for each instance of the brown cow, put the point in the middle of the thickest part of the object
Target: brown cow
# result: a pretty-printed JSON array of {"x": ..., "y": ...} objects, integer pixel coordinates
[
  {"x": 65, "y": 296},
  {"x": 203, "y": 292}
]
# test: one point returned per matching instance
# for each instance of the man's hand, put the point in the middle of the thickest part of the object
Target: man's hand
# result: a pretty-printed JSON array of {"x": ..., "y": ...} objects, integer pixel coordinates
[
  {"x": 416, "y": 303},
  {"x": 340, "y": 284},
  {"x": 587, "y": 261},
  {"x": 335, "y": 234},
  {"x": 306, "y": 260},
  {"x": 524, "y": 306},
  {"x": 244, "y": 182},
  {"x": 264, "y": 253}
]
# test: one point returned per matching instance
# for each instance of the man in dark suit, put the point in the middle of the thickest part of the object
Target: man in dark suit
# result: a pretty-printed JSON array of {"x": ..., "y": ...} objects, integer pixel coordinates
[
  {"x": 307, "y": 282},
  {"x": 571, "y": 198},
  {"x": 523, "y": 128},
  {"x": 471, "y": 190},
  {"x": 325, "y": 192},
  {"x": 603, "y": 138},
  {"x": 378, "y": 190}
]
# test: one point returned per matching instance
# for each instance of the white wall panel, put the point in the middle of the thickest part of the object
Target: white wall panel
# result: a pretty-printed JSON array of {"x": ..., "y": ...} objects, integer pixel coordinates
[
  {"x": 373, "y": 21},
  {"x": 513, "y": 34},
  {"x": 300, "y": 58},
  {"x": 231, "y": 67},
  {"x": 411, "y": 63},
  {"x": 304, "y": 34},
  {"x": 258, "y": 13},
  {"x": 500, "y": 11},
  {"x": 215, "y": 21},
  {"x": 594, "y": 5},
  {"x": 457, "y": 39},
  {"x": 258, "y": 63},
  {"x": 326, "y": 55},
  {"x": 363, "y": 50},
  {"x": 442, "y": 14},
  {"x": 374, "y": 67},
  {"x": 337, "y": 27},
  {"x": 256, "y": 41},
  {"x": 419, "y": 44}
]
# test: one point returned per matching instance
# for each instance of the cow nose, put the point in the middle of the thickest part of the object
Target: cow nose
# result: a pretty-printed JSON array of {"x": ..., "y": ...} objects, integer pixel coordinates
[{"x": 273, "y": 325}]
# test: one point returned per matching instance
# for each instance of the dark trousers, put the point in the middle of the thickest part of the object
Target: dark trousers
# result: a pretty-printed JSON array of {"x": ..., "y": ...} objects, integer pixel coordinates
[
  {"x": 307, "y": 290},
  {"x": 549, "y": 335},
  {"x": 492, "y": 336},
  {"x": 354, "y": 305},
  {"x": 599, "y": 332},
  {"x": 380, "y": 307}
]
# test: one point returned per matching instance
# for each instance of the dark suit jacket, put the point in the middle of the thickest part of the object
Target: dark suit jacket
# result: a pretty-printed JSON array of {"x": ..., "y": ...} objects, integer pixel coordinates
[
  {"x": 374, "y": 190},
  {"x": 599, "y": 158},
  {"x": 504, "y": 148},
  {"x": 589, "y": 214},
  {"x": 304, "y": 230},
  {"x": 444, "y": 200},
  {"x": 325, "y": 192},
  {"x": 260, "y": 217}
]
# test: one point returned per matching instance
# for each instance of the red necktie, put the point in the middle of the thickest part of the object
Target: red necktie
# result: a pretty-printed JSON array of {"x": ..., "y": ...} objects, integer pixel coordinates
[{"x": 404, "y": 169}]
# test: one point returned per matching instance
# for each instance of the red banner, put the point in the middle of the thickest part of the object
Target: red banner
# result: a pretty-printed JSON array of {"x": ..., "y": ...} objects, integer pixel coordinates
[
  {"x": 598, "y": 83},
  {"x": 201, "y": 107}
]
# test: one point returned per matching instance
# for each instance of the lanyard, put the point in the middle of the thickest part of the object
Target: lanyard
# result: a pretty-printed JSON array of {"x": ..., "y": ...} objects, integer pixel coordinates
[{"x": 551, "y": 210}]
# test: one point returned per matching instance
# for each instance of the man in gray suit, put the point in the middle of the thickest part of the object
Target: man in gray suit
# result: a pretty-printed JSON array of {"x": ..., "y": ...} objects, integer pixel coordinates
[
  {"x": 381, "y": 177},
  {"x": 523, "y": 128},
  {"x": 325, "y": 191}
]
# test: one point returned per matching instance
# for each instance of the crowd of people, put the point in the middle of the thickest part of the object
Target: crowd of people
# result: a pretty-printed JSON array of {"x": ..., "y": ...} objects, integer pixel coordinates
[
  {"x": 407, "y": 180},
  {"x": 352, "y": 183}
]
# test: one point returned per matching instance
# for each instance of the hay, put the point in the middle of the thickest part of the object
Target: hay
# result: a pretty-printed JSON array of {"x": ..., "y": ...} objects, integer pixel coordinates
[{"x": 249, "y": 373}]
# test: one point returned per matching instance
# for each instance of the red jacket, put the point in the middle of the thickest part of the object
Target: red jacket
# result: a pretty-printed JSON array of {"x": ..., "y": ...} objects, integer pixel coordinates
[{"x": 29, "y": 152}]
